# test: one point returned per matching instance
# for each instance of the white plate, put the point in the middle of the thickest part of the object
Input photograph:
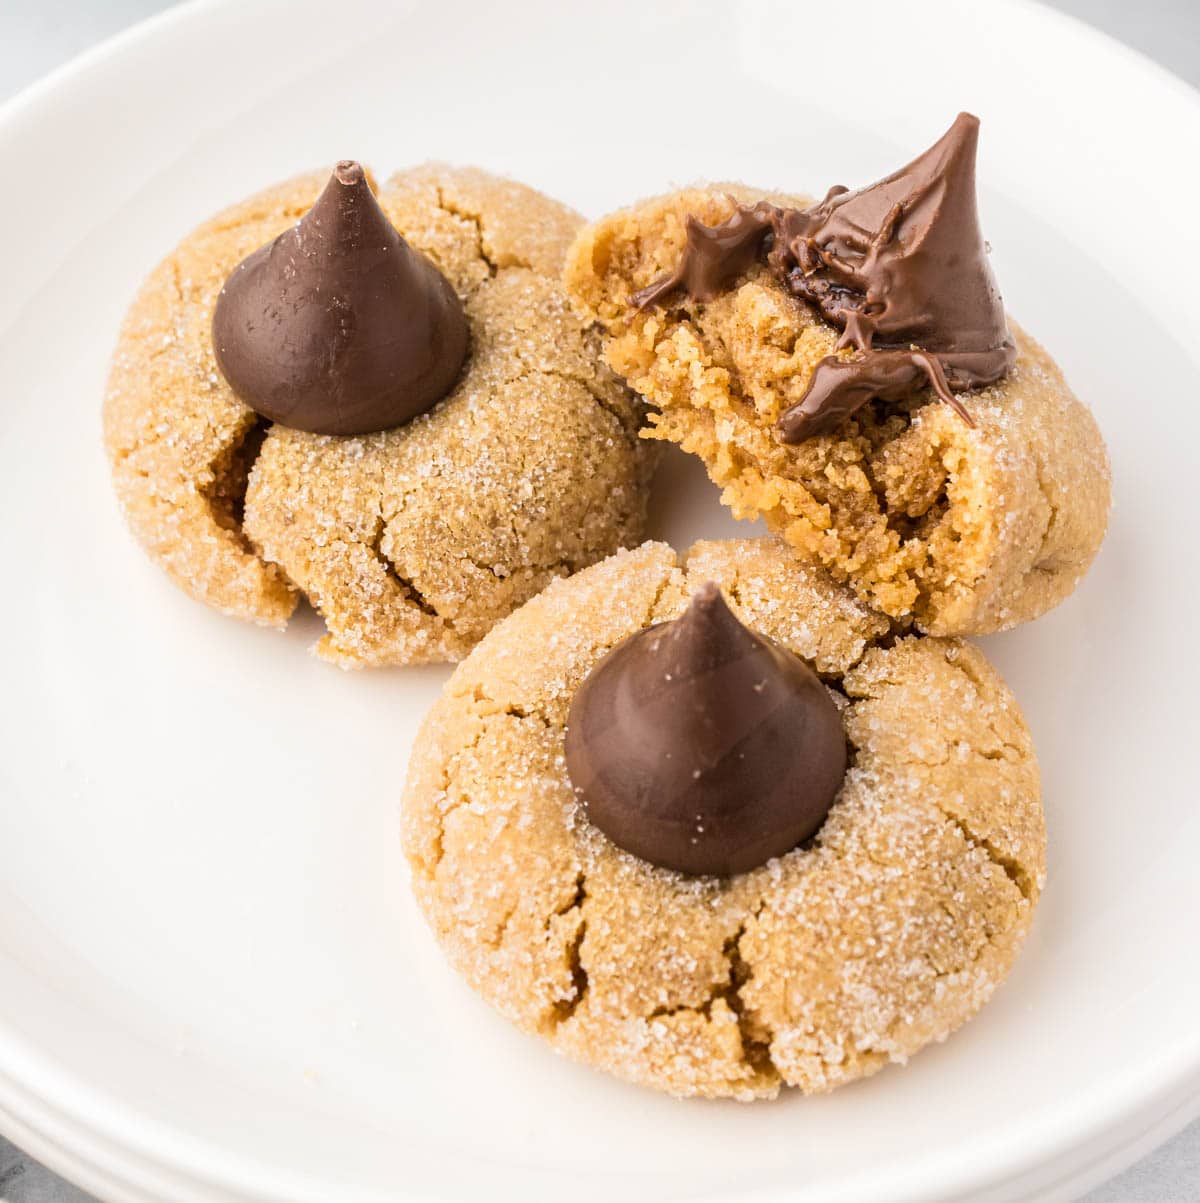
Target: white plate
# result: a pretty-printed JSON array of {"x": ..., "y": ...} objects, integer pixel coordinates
[{"x": 213, "y": 983}]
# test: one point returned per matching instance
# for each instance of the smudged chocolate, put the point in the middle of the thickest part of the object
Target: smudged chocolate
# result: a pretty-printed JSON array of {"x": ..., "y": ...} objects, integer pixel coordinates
[{"x": 900, "y": 266}]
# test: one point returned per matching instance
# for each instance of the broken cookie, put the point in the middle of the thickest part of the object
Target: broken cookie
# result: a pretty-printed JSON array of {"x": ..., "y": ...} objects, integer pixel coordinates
[{"x": 846, "y": 370}]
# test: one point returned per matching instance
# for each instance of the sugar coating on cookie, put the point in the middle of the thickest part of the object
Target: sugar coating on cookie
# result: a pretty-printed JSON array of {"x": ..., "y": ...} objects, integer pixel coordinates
[
  {"x": 959, "y": 530},
  {"x": 883, "y": 933},
  {"x": 413, "y": 542}
]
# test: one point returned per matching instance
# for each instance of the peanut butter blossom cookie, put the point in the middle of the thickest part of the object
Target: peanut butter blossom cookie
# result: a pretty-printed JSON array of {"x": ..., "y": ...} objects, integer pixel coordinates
[
  {"x": 846, "y": 370},
  {"x": 381, "y": 403},
  {"x": 705, "y": 823}
]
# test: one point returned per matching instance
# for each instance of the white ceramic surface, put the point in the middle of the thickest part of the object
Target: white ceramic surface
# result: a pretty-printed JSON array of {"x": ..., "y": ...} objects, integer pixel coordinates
[{"x": 213, "y": 984}]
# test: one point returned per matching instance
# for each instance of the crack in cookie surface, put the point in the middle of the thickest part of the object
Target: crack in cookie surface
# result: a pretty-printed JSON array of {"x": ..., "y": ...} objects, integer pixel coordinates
[
  {"x": 230, "y": 471},
  {"x": 172, "y": 428},
  {"x": 476, "y": 220}
]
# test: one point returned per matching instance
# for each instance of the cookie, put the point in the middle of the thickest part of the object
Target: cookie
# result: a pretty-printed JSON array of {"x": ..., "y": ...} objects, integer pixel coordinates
[
  {"x": 411, "y": 543},
  {"x": 956, "y": 528},
  {"x": 885, "y": 931}
]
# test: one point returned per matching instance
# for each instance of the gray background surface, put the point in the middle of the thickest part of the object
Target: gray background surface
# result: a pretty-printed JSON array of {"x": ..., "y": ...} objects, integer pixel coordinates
[{"x": 37, "y": 35}]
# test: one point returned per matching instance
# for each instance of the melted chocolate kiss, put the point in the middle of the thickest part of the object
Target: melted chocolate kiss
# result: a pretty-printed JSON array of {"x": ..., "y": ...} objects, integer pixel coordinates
[
  {"x": 900, "y": 266},
  {"x": 339, "y": 326},
  {"x": 702, "y": 747}
]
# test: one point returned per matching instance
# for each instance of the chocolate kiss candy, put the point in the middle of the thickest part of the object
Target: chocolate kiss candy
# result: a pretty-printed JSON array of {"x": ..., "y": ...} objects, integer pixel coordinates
[
  {"x": 702, "y": 747},
  {"x": 339, "y": 326}
]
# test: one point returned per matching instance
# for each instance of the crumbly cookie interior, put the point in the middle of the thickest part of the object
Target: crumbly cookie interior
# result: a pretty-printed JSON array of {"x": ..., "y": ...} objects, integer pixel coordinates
[{"x": 955, "y": 529}]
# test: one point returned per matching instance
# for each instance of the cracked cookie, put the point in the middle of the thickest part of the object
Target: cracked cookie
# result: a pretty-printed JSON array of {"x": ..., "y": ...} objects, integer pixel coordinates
[
  {"x": 410, "y": 542},
  {"x": 800, "y": 351},
  {"x": 887, "y": 929}
]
